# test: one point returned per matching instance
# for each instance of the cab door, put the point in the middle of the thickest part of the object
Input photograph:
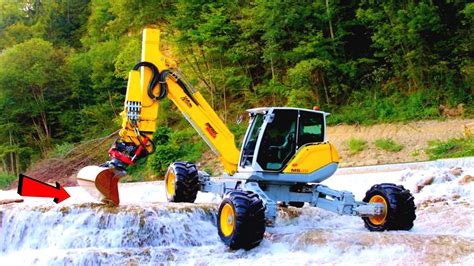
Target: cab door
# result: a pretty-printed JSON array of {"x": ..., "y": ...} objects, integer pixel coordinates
[
  {"x": 278, "y": 142},
  {"x": 251, "y": 139}
]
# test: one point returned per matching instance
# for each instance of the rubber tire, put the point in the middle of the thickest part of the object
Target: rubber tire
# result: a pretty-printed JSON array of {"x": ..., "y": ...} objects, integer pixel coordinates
[
  {"x": 401, "y": 207},
  {"x": 186, "y": 184},
  {"x": 296, "y": 204},
  {"x": 249, "y": 218}
]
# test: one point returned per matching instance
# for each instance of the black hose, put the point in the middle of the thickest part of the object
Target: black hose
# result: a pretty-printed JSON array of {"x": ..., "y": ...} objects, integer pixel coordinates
[
  {"x": 155, "y": 79},
  {"x": 158, "y": 77},
  {"x": 164, "y": 86}
]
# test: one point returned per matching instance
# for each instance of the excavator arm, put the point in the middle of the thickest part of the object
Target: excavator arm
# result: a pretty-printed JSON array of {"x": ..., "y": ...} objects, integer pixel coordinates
[{"x": 151, "y": 80}]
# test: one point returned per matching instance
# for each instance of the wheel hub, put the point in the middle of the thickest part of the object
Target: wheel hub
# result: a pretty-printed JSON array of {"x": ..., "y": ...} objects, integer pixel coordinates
[
  {"x": 227, "y": 220},
  {"x": 170, "y": 183},
  {"x": 379, "y": 219}
]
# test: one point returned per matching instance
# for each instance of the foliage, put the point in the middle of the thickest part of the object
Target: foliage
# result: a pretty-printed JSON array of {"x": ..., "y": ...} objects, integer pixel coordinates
[
  {"x": 370, "y": 109},
  {"x": 415, "y": 153},
  {"x": 61, "y": 150},
  {"x": 388, "y": 145},
  {"x": 452, "y": 148},
  {"x": 6, "y": 180},
  {"x": 182, "y": 145},
  {"x": 64, "y": 64},
  {"x": 356, "y": 145}
]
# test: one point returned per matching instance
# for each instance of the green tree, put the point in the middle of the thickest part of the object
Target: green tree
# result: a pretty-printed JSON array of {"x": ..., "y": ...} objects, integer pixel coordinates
[{"x": 32, "y": 92}]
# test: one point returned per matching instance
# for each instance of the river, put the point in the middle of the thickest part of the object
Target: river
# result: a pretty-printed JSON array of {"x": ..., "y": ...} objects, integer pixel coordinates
[{"x": 147, "y": 230}]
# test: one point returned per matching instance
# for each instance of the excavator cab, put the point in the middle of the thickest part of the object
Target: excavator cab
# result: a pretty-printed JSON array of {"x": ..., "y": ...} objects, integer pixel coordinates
[{"x": 275, "y": 134}]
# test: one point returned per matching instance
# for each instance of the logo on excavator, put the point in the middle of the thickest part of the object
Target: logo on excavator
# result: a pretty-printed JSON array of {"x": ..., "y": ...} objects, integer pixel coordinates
[
  {"x": 186, "y": 100},
  {"x": 211, "y": 130},
  {"x": 299, "y": 170}
]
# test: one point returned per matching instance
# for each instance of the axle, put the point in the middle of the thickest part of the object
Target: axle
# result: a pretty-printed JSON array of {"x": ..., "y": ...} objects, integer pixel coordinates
[{"x": 317, "y": 195}]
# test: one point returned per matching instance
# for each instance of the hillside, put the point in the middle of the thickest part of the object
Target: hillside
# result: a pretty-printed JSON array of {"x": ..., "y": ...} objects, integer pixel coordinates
[{"x": 64, "y": 66}]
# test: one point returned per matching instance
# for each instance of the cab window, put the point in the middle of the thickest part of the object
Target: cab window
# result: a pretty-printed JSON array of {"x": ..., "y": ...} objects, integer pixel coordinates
[
  {"x": 249, "y": 145},
  {"x": 311, "y": 128},
  {"x": 278, "y": 143}
]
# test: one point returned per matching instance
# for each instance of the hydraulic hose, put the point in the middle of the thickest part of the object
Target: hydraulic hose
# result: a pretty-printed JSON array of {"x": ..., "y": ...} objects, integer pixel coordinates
[
  {"x": 160, "y": 78},
  {"x": 155, "y": 79},
  {"x": 164, "y": 86}
]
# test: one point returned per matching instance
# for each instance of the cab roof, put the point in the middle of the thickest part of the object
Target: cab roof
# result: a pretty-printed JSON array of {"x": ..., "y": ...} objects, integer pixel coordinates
[{"x": 262, "y": 110}]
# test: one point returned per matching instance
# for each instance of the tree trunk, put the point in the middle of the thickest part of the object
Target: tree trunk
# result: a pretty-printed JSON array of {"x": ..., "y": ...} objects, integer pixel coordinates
[
  {"x": 199, "y": 72},
  {"x": 17, "y": 162},
  {"x": 42, "y": 125},
  {"x": 331, "y": 31},
  {"x": 325, "y": 88},
  {"x": 273, "y": 79},
  {"x": 4, "y": 165},
  {"x": 12, "y": 161},
  {"x": 224, "y": 93},
  {"x": 211, "y": 82}
]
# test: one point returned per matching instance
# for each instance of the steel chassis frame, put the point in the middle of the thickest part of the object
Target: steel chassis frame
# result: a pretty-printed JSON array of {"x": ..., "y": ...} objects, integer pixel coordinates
[{"x": 317, "y": 195}]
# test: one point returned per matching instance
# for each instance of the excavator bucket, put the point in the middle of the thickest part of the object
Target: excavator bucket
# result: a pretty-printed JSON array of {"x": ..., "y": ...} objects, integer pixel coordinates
[{"x": 101, "y": 183}]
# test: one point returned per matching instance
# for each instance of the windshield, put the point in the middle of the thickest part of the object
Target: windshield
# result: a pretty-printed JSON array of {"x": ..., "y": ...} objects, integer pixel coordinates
[
  {"x": 279, "y": 140},
  {"x": 250, "y": 142}
]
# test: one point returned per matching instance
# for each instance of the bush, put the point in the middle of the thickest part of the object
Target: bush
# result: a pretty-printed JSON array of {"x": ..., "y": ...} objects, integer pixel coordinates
[
  {"x": 164, "y": 155},
  {"x": 61, "y": 150},
  {"x": 452, "y": 148},
  {"x": 369, "y": 109},
  {"x": 6, "y": 180},
  {"x": 356, "y": 145},
  {"x": 179, "y": 145},
  {"x": 388, "y": 145}
]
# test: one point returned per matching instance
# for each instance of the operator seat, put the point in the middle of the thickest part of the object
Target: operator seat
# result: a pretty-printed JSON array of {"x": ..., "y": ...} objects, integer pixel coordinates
[{"x": 282, "y": 152}]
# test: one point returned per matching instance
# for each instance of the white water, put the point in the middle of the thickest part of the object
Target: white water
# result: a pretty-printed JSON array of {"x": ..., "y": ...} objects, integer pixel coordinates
[{"x": 147, "y": 230}]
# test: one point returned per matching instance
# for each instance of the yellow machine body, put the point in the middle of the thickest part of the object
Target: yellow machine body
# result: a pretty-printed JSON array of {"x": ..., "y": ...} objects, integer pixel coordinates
[{"x": 310, "y": 158}]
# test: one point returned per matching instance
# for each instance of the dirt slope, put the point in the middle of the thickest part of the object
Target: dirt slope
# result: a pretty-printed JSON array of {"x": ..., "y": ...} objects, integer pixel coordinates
[{"x": 414, "y": 137}]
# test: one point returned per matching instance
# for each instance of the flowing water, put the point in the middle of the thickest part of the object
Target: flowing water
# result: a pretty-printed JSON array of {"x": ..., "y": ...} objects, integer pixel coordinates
[{"x": 147, "y": 230}]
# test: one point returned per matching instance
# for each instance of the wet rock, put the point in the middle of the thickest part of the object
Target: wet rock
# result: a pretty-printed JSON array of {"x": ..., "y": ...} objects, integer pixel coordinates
[
  {"x": 423, "y": 183},
  {"x": 8, "y": 201},
  {"x": 466, "y": 179},
  {"x": 456, "y": 196},
  {"x": 456, "y": 171}
]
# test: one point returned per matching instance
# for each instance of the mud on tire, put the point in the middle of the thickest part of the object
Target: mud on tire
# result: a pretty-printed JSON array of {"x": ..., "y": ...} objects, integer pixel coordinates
[
  {"x": 246, "y": 227},
  {"x": 400, "y": 206},
  {"x": 182, "y": 182}
]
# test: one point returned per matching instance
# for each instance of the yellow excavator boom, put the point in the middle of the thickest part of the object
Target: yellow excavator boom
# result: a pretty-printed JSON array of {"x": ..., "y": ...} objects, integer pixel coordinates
[
  {"x": 192, "y": 105},
  {"x": 151, "y": 80}
]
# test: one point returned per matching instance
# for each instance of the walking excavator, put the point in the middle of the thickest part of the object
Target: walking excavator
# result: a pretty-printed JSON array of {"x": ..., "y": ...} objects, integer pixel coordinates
[{"x": 284, "y": 157}]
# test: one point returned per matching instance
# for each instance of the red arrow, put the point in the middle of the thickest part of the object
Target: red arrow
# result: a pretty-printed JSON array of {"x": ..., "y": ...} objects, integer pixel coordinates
[{"x": 30, "y": 187}]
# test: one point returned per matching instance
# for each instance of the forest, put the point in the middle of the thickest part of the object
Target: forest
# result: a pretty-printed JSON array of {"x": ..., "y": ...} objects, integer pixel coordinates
[{"x": 64, "y": 64}]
